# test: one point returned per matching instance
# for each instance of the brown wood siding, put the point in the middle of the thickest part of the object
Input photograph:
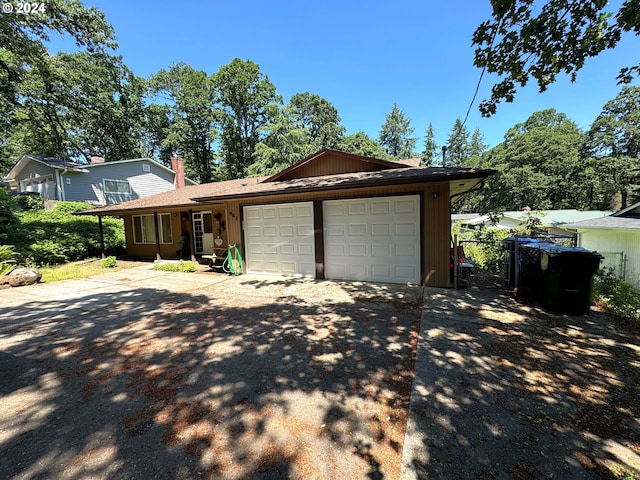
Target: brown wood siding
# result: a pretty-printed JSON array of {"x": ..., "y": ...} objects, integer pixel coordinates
[
  {"x": 436, "y": 224},
  {"x": 436, "y": 221},
  {"x": 331, "y": 164},
  {"x": 436, "y": 234}
]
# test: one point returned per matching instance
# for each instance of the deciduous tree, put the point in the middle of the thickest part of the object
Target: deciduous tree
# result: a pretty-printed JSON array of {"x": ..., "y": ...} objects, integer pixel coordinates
[
  {"x": 614, "y": 143},
  {"x": 540, "y": 39},
  {"x": 244, "y": 98},
  {"x": 190, "y": 95}
]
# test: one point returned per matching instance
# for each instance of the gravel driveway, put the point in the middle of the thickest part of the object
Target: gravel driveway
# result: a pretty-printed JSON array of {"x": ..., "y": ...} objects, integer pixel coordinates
[{"x": 147, "y": 376}]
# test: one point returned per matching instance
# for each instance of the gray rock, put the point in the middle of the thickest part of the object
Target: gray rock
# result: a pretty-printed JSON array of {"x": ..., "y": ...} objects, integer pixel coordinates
[{"x": 24, "y": 276}]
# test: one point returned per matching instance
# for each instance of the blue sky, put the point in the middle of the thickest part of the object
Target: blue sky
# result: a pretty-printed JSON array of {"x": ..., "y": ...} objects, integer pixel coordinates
[{"x": 362, "y": 56}]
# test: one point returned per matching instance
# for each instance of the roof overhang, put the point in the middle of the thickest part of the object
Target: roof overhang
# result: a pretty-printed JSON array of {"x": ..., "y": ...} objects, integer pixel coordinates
[{"x": 461, "y": 181}]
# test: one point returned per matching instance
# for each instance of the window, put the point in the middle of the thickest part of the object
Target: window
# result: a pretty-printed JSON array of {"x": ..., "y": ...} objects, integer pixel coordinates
[
  {"x": 116, "y": 186},
  {"x": 146, "y": 167},
  {"x": 144, "y": 228}
]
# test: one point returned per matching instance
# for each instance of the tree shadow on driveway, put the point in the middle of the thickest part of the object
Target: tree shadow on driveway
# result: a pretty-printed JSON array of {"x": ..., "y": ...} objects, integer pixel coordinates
[
  {"x": 509, "y": 391},
  {"x": 249, "y": 380}
]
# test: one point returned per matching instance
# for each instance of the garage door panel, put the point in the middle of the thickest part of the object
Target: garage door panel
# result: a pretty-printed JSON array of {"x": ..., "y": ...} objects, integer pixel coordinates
[
  {"x": 380, "y": 229},
  {"x": 306, "y": 249},
  {"x": 406, "y": 229},
  {"x": 380, "y": 207},
  {"x": 357, "y": 208},
  {"x": 408, "y": 206},
  {"x": 381, "y": 251},
  {"x": 358, "y": 229},
  {"x": 279, "y": 239},
  {"x": 358, "y": 250},
  {"x": 375, "y": 239},
  {"x": 335, "y": 230},
  {"x": 287, "y": 230}
]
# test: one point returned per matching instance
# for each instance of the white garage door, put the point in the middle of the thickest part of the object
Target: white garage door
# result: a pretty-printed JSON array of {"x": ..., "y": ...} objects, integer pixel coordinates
[
  {"x": 279, "y": 239},
  {"x": 376, "y": 239}
]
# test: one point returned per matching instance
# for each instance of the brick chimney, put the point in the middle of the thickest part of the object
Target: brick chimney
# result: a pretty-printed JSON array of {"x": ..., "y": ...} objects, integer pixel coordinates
[
  {"x": 177, "y": 165},
  {"x": 96, "y": 159}
]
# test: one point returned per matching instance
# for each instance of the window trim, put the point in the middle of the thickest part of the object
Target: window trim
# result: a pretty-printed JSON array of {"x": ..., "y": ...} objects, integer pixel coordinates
[
  {"x": 104, "y": 186},
  {"x": 162, "y": 218}
]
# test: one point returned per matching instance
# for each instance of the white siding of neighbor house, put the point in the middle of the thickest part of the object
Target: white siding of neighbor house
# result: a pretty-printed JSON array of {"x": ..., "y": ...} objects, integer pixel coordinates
[
  {"x": 610, "y": 243},
  {"x": 89, "y": 187}
]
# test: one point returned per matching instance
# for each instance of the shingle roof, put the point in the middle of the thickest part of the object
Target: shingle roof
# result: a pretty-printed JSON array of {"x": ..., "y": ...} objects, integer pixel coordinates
[
  {"x": 394, "y": 176},
  {"x": 251, "y": 187},
  {"x": 620, "y": 223},
  {"x": 181, "y": 197}
]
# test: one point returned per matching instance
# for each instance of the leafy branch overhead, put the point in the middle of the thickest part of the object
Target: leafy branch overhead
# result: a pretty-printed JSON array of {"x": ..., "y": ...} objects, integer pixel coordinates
[{"x": 527, "y": 39}]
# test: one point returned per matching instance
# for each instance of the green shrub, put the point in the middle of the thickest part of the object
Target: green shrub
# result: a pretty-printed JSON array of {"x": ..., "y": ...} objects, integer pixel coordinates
[
  {"x": 58, "y": 236},
  {"x": 180, "y": 266},
  {"x": 28, "y": 201},
  {"x": 8, "y": 220},
  {"x": 616, "y": 295},
  {"x": 7, "y": 259},
  {"x": 109, "y": 262}
]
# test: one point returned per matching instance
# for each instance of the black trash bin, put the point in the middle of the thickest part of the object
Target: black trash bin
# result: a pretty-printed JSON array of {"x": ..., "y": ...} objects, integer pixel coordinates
[
  {"x": 566, "y": 279},
  {"x": 527, "y": 260}
]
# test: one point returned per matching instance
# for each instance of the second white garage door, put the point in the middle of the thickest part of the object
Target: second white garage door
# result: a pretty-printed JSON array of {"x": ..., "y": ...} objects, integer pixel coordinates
[
  {"x": 375, "y": 239},
  {"x": 279, "y": 239}
]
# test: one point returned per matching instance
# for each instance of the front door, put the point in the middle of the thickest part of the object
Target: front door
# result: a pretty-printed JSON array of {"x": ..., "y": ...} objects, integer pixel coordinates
[{"x": 203, "y": 233}]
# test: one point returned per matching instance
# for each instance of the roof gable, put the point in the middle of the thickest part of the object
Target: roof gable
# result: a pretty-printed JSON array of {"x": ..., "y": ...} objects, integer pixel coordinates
[
  {"x": 630, "y": 212},
  {"x": 332, "y": 162},
  {"x": 52, "y": 162}
]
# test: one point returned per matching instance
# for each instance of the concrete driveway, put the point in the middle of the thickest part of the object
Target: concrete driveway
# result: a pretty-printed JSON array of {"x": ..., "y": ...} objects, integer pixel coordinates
[{"x": 147, "y": 374}]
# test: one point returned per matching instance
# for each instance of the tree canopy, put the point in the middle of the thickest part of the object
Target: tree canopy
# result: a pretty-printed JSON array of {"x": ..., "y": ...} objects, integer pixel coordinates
[
  {"x": 526, "y": 39},
  {"x": 395, "y": 134},
  {"x": 614, "y": 143}
]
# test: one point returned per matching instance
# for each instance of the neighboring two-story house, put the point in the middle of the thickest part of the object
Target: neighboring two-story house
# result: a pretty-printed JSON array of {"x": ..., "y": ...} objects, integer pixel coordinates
[{"x": 98, "y": 183}]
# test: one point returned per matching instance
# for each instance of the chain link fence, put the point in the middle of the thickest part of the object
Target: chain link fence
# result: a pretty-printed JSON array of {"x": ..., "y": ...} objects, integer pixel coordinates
[{"x": 494, "y": 261}]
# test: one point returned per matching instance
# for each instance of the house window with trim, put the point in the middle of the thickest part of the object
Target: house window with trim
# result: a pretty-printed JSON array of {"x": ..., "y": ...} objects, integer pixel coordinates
[
  {"x": 144, "y": 230},
  {"x": 116, "y": 186}
]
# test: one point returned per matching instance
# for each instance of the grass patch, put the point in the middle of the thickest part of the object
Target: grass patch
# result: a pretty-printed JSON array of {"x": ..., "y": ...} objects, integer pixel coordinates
[
  {"x": 81, "y": 269},
  {"x": 180, "y": 266}
]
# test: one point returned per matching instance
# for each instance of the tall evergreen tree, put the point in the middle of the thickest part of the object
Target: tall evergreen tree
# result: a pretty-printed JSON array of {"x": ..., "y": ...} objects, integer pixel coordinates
[
  {"x": 430, "y": 147},
  {"x": 395, "y": 134},
  {"x": 457, "y": 145}
]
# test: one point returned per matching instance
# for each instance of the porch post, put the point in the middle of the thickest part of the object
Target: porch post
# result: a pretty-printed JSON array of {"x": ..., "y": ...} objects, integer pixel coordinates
[
  {"x": 101, "y": 232},
  {"x": 155, "y": 222},
  {"x": 191, "y": 240}
]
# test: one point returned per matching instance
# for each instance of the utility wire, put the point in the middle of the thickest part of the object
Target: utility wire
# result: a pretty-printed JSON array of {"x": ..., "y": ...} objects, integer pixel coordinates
[{"x": 475, "y": 94}]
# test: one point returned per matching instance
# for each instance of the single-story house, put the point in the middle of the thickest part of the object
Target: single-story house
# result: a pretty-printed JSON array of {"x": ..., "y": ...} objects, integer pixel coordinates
[
  {"x": 617, "y": 237},
  {"x": 552, "y": 220},
  {"x": 98, "y": 183},
  {"x": 331, "y": 215}
]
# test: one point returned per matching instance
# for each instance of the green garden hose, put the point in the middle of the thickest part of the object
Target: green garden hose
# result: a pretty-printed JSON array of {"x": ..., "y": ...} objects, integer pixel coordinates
[{"x": 233, "y": 263}]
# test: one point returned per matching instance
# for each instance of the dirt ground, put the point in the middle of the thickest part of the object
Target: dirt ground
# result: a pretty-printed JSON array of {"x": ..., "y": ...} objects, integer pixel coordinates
[{"x": 247, "y": 379}]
